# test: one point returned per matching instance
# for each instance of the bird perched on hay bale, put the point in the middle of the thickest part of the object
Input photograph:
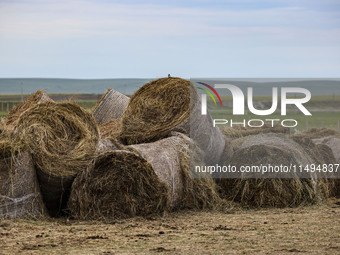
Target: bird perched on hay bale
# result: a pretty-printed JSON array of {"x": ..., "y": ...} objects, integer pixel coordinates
[
  {"x": 170, "y": 104},
  {"x": 110, "y": 107},
  {"x": 143, "y": 179},
  {"x": 62, "y": 138},
  {"x": 278, "y": 190}
]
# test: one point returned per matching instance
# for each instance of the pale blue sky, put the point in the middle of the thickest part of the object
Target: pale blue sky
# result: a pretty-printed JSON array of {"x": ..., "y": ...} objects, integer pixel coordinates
[{"x": 147, "y": 39}]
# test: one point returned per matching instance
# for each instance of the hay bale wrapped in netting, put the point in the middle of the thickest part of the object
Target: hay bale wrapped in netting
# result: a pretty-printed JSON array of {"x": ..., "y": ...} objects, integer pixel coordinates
[
  {"x": 276, "y": 150},
  {"x": 13, "y": 116},
  {"x": 333, "y": 143},
  {"x": 62, "y": 138},
  {"x": 111, "y": 106},
  {"x": 170, "y": 104},
  {"x": 110, "y": 129},
  {"x": 146, "y": 179},
  {"x": 19, "y": 189}
]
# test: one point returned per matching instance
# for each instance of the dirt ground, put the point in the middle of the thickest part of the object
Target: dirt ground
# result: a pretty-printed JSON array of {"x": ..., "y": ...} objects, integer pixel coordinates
[{"x": 307, "y": 230}]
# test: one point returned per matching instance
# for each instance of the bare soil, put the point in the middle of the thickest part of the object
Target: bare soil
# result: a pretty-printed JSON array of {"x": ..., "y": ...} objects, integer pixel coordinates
[{"x": 307, "y": 230}]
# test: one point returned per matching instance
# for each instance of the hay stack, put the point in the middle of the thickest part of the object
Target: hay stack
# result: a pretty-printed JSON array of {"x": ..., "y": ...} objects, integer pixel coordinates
[
  {"x": 149, "y": 178},
  {"x": 19, "y": 190},
  {"x": 170, "y": 104},
  {"x": 62, "y": 139},
  {"x": 271, "y": 191},
  {"x": 13, "y": 116},
  {"x": 111, "y": 106}
]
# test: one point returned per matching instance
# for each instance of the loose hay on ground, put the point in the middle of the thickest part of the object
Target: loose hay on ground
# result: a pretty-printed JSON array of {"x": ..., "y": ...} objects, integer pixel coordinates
[{"x": 62, "y": 138}]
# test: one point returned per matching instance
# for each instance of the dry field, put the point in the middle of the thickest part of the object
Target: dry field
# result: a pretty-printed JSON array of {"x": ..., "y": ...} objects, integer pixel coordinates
[{"x": 307, "y": 230}]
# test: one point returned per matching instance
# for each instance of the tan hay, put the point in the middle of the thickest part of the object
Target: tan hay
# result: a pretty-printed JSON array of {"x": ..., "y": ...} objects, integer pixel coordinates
[
  {"x": 111, "y": 106},
  {"x": 62, "y": 138},
  {"x": 19, "y": 190},
  {"x": 110, "y": 129},
  {"x": 13, "y": 116},
  {"x": 271, "y": 149},
  {"x": 170, "y": 104},
  {"x": 150, "y": 178},
  {"x": 156, "y": 109}
]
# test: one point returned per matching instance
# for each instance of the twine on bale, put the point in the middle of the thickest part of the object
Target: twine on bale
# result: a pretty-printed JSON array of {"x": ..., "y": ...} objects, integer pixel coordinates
[
  {"x": 145, "y": 179},
  {"x": 111, "y": 106},
  {"x": 276, "y": 150},
  {"x": 62, "y": 139}
]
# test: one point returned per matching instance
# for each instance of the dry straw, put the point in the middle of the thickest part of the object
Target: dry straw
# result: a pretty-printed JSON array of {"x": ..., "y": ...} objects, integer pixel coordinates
[
  {"x": 12, "y": 118},
  {"x": 110, "y": 129},
  {"x": 62, "y": 138},
  {"x": 170, "y": 104},
  {"x": 239, "y": 131},
  {"x": 276, "y": 150},
  {"x": 111, "y": 106},
  {"x": 19, "y": 190},
  {"x": 146, "y": 179}
]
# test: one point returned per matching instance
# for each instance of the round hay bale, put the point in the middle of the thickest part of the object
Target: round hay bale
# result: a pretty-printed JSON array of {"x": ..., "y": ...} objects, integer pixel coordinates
[
  {"x": 276, "y": 150},
  {"x": 110, "y": 129},
  {"x": 111, "y": 106},
  {"x": 13, "y": 116},
  {"x": 155, "y": 110},
  {"x": 170, "y": 104},
  {"x": 146, "y": 179},
  {"x": 62, "y": 139},
  {"x": 19, "y": 190}
]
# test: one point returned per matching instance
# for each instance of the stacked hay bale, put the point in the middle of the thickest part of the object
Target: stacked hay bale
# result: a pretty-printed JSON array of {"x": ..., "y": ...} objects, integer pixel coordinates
[
  {"x": 111, "y": 106},
  {"x": 170, "y": 104},
  {"x": 141, "y": 180},
  {"x": 277, "y": 190},
  {"x": 62, "y": 139},
  {"x": 19, "y": 190}
]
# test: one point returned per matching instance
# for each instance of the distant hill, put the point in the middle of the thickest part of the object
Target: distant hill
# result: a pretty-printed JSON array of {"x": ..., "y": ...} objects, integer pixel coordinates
[
  {"x": 69, "y": 86},
  {"x": 264, "y": 88},
  {"x": 128, "y": 86}
]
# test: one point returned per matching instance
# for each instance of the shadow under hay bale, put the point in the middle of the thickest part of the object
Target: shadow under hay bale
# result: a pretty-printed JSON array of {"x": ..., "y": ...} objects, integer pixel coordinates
[
  {"x": 62, "y": 139},
  {"x": 147, "y": 179},
  {"x": 170, "y": 104},
  {"x": 13, "y": 116},
  {"x": 111, "y": 106},
  {"x": 276, "y": 150},
  {"x": 19, "y": 190}
]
